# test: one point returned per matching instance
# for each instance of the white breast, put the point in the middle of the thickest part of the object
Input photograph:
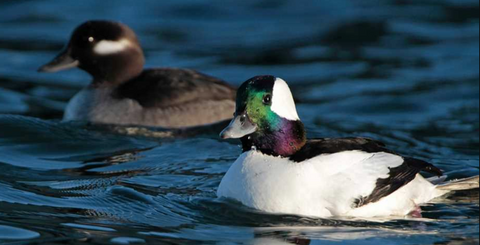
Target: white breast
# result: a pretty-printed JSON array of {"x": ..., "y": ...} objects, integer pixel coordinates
[
  {"x": 79, "y": 106},
  {"x": 274, "y": 185},
  {"x": 98, "y": 105},
  {"x": 324, "y": 186}
]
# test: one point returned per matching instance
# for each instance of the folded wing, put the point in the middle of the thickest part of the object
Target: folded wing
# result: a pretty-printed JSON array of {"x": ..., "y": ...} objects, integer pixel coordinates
[{"x": 361, "y": 171}]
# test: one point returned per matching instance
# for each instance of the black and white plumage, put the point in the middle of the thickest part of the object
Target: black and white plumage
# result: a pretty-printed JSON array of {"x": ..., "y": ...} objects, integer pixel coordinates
[
  {"x": 398, "y": 176},
  {"x": 351, "y": 177},
  {"x": 123, "y": 93}
]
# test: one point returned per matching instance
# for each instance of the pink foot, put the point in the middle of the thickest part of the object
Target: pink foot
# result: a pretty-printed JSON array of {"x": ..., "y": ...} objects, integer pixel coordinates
[{"x": 416, "y": 213}]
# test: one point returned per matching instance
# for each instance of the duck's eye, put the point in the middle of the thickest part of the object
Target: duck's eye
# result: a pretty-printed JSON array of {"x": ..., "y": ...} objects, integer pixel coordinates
[
  {"x": 243, "y": 118},
  {"x": 267, "y": 99},
  {"x": 91, "y": 39}
]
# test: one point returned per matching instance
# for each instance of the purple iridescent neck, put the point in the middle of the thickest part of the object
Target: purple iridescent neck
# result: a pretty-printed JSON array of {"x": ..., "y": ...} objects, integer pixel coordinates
[{"x": 282, "y": 138}]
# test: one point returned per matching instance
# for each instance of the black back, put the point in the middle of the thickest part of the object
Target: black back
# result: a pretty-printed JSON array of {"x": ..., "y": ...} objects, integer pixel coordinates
[
  {"x": 317, "y": 147},
  {"x": 169, "y": 87}
]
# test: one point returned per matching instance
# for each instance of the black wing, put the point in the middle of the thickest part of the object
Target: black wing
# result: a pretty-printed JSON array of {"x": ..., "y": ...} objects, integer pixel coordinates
[
  {"x": 398, "y": 177},
  {"x": 170, "y": 87}
]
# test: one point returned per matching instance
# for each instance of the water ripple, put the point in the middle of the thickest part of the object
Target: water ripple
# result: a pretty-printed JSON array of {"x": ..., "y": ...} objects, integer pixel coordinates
[{"x": 403, "y": 72}]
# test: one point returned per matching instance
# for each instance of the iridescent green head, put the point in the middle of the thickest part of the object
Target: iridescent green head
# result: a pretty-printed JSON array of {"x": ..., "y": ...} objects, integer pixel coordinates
[{"x": 266, "y": 117}]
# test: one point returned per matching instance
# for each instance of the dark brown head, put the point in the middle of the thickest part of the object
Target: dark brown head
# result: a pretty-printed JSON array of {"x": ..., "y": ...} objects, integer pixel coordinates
[{"x": 109, "y": 51}]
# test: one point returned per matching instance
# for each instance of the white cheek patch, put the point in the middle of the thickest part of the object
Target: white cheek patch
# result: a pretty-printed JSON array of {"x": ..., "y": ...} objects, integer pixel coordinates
[
  {"x": 282, "y": 101},
  {"x": 111, "y": 47}
]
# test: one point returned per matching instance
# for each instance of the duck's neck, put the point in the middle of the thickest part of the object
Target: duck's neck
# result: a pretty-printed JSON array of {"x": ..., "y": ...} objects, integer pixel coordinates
[
  {"x": 283, "y": 139},
  {"x": 115, "y": 69}
]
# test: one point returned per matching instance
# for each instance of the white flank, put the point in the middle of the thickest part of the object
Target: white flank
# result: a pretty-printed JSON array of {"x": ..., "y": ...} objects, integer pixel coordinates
[
  {"x": 324, "y": 186},
  {"x": 282, "y": 101},
  {"x": 111, "y": 47}
]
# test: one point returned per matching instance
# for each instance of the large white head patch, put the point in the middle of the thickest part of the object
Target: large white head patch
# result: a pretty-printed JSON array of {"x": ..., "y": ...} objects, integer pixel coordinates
[{"x": 282, "y": 101}]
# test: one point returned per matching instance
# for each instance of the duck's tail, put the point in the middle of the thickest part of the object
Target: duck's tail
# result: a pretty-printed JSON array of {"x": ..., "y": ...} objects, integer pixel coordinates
[
  {"x": 457, "y": 185},
  {"x": 460, "y": 185}
]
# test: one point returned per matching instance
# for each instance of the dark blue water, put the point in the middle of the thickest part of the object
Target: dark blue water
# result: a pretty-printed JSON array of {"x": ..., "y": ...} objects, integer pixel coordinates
[{"x": 402, "y": 71}]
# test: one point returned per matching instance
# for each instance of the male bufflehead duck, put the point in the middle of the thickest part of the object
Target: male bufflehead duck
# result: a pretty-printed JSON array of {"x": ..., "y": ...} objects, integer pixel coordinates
[
  {"x": 123, "y": 93},
  {"x": 282, "y": 172}
]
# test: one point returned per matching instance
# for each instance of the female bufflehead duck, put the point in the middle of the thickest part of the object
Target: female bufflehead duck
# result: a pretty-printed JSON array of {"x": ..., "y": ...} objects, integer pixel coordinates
[
  {"x": 123, "y": 93},
  {"x": 282, "y": 172}
]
